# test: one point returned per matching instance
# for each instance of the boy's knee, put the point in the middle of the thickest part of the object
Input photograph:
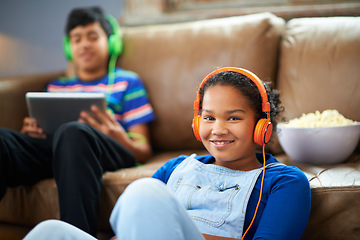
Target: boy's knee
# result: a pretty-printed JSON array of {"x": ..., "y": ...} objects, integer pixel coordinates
[
  {"x": 71, "y": 133},
  {"x": 70, "y": 127}
]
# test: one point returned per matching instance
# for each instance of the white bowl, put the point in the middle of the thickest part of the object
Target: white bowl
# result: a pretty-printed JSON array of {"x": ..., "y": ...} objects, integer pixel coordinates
[{"x": 318, "y": 146}]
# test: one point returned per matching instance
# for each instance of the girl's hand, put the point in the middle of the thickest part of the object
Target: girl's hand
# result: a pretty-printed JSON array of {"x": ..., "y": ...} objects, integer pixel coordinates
[{"x": 31, "y": 129}]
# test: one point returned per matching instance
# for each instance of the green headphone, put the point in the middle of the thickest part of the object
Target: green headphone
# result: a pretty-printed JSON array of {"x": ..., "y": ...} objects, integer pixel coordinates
[{"x": 115, "y": 44}]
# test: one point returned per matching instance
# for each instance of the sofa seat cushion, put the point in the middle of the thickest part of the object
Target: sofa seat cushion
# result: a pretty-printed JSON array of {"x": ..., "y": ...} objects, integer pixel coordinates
[
  {"x": 335, "y": 199},
  {"x": 29, "y": 205}
]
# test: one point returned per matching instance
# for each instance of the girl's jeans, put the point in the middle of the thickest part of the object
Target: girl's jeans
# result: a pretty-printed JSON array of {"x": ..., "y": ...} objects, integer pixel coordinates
[{"x": 146, "y": 210}]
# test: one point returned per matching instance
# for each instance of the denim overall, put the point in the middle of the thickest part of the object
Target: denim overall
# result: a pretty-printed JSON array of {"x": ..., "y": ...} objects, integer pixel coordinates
[{"x": 215, "y": 197}]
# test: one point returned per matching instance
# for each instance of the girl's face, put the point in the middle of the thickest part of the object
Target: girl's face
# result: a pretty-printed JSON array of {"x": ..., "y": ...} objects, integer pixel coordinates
[{"x": 227, "y": 128}]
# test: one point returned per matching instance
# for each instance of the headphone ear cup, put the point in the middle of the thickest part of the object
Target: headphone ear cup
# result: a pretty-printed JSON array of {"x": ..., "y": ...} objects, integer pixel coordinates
[
  {"x": 263, "y": 131},
  {"x": 67, "y": 48},
  {"x": 115, "y": 44},
  {"x": 195, "y": 126}
]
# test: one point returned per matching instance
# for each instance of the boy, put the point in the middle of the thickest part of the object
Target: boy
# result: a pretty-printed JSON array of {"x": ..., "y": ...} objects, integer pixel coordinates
[{"x": 78, "y": 153}]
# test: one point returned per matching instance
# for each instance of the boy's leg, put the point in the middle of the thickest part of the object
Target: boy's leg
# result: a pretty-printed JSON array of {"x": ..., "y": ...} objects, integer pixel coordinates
[
  {"x": 149, "y": 210},
  {"x": 81, "y": 156},
  {"x": 23, "y": 159},
  {"x": 57, "y": 230}
]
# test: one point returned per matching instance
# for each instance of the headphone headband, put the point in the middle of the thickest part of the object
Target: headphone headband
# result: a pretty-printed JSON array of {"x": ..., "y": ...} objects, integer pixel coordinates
[
  {"x": 247, "y": 73},
  {"x": 113, "y": 23},
  {"x": 263, "y": 128}
]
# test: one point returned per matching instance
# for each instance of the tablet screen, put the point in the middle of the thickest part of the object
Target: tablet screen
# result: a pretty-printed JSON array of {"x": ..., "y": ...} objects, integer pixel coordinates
[{"x": 51, "y": 109}]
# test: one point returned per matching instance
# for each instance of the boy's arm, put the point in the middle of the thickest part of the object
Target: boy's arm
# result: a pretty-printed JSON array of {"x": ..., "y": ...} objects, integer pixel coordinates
[{"x": 140, "y": 142}]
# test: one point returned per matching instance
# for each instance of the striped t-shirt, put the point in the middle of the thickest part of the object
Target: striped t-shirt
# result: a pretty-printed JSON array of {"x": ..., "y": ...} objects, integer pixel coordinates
[{"x": 126, "y": 96}]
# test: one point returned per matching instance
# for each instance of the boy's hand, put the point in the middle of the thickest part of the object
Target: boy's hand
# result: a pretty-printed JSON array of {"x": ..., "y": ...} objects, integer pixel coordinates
[
  {"x": 107, "y": 124},
  {"x": 31, "y": 129},
  {"x": 104, "y": 122}
]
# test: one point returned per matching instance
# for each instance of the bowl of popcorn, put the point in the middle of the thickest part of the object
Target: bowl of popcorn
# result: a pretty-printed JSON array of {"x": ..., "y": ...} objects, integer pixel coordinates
[{"x": 319, "y": 138}]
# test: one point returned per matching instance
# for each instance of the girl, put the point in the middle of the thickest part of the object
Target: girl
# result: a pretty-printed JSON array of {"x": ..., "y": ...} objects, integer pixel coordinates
[{"x": 233, "y": 193}]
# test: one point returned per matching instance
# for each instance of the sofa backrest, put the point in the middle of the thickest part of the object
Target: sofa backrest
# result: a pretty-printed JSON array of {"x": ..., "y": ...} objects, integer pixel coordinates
[
  {"x": 320, "y": 66},
  {"x": 173, "y": 59},
  {"x": 12, "y": 96}
]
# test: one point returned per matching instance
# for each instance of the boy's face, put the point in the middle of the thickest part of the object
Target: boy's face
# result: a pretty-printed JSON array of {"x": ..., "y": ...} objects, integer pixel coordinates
[
  {"x": 227, "y": 128},
  {"x": 89, "y": 46}
]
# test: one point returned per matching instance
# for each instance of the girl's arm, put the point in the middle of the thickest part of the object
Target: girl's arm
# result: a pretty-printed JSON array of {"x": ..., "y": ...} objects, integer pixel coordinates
[{"x": 287, "y": 210}]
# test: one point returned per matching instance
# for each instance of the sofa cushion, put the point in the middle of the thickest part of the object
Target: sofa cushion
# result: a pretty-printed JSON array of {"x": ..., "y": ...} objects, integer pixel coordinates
[
  {"x": 29, "y": 205},
  {"x": 319, "y": 66},
  {"x": 173, "y": 59},
  {"x": 335, "y": 199},
  {"x": 12, "y": 97},
  {"x": 318, "y": 70}
]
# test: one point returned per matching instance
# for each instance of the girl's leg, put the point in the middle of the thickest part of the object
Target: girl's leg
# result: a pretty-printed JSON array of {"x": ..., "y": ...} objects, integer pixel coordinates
[
  {"x": 57, "y": 230},
  {"x": 149, "y": 210}
]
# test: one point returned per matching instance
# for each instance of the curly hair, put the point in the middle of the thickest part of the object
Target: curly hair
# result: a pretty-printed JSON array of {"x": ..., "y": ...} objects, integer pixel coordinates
[
  {"x": 249, "y": 90},
  {"x": 85, "y": 16}
]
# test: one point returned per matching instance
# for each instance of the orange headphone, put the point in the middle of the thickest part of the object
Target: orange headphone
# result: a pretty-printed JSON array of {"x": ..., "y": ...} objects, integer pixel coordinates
[{"x": 263, "y": 128}]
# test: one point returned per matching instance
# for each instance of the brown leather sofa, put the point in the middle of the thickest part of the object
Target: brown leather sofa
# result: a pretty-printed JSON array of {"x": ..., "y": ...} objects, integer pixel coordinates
[{"x": 313, "y": 62}]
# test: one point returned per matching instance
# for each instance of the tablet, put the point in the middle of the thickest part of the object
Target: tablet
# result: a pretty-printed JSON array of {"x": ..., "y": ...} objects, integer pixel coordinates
[{"x": 51, "y": 109}]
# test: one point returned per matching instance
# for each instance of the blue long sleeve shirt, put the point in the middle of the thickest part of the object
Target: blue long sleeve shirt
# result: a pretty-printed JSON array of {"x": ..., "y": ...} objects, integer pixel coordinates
[{"x": 285, "y": 205}]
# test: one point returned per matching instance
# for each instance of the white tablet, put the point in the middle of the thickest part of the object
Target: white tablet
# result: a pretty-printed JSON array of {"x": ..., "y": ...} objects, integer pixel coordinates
[{"x": 51, "y": 109}]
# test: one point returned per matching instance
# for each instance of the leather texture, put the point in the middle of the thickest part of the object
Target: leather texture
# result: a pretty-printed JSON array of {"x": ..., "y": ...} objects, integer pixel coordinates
[
  {"x": 174, "y": 59},
  {"x": 313, "y": 62}
]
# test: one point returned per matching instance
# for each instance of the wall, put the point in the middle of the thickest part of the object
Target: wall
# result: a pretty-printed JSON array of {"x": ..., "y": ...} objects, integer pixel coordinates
[
  {"x": 31, "y": 33},
  {"x": 141, "y": 12}
]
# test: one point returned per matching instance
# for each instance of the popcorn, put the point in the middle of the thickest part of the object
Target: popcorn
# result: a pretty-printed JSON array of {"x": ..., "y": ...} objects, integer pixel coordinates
[{"x": 328, "y": 118}]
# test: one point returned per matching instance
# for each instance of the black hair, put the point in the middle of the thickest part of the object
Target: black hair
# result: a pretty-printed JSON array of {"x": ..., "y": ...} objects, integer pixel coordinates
[
  {"x": 249, "y": 90},
  {"x": 85, "y": 16}
]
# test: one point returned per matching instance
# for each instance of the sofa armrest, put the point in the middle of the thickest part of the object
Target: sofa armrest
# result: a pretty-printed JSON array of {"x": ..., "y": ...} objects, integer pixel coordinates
[{"x": 12, "y": 96}]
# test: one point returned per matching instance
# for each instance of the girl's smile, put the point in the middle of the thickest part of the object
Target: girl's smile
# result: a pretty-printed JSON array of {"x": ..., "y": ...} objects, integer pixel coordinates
[
  {"x": 221, "y": 144},
  {"x": 227, "y": 128}
]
